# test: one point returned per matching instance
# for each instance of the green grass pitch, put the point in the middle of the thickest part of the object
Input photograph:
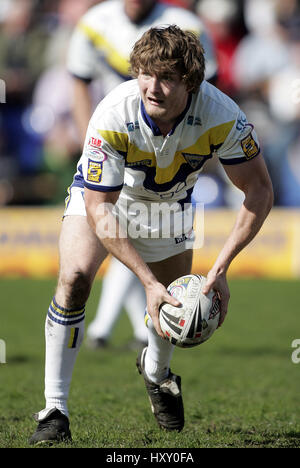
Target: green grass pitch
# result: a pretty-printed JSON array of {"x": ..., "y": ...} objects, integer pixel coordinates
[{"x": 241, "y": 389}]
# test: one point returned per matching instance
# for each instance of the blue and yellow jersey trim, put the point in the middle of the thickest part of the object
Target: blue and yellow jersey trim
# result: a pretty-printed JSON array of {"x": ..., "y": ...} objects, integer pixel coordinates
[
  {"x": 186, "y": 161},
  {"x": 119, "y": 141}
]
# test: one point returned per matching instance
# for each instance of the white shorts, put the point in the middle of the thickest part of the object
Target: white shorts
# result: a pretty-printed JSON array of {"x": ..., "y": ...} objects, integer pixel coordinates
[{"x": 150, "y": 249}]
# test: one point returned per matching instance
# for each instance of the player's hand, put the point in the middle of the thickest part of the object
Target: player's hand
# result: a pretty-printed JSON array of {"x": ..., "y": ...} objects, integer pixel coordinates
[
  {"x": 219, "y": 284},
  {"x": 157, "y": 295}
]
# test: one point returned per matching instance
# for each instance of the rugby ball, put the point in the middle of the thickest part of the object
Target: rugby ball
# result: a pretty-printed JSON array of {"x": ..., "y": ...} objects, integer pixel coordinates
[{"x": 196, "y": 319}]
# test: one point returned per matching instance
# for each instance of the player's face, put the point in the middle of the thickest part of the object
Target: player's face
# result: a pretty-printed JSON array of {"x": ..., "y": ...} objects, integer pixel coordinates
[
  {"x": 137, "y": 10},
  {"x": 164, "y": 97}
]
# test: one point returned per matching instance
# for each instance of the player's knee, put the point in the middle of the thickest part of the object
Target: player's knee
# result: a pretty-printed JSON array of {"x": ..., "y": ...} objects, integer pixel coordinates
[{"x": 76, "y": 288}]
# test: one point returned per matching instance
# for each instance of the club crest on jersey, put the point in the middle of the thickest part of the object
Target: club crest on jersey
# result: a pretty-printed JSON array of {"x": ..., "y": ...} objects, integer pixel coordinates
[
  {"x": 94, "y": 171},
  {"x": 249, "y": 146},
  {"x": 194, "y": 160}
]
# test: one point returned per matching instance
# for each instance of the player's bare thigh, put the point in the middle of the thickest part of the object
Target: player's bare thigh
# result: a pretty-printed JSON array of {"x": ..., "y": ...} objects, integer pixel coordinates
[
  {"x": 173, "y": 267},
  {"x": 80, "y": 254}
]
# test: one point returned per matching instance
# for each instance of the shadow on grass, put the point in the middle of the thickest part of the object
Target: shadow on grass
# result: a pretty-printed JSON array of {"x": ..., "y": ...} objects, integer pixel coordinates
[{"x": 17, "y": 359}]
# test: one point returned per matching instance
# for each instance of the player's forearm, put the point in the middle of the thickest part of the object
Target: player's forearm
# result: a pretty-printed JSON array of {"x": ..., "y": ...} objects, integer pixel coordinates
[
  {"x": 249, "y": 221},
  {"x": 116, "y": 242},
  {"x": 101, "y": 218},
  {"x": 124, "y": 251}
]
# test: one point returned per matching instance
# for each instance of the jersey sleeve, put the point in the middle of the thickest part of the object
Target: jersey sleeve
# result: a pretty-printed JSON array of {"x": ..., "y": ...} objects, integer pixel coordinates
[
  {"x": 241, "y": 144},
  {"x": 82, "y": 54},
  {"x": 103, "y": 163}
]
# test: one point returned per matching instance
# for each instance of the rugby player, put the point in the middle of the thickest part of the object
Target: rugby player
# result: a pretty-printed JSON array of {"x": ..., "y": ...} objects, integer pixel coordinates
[
  {"x": 99, "y": 56},
  {"x": 146, "y": 143}
]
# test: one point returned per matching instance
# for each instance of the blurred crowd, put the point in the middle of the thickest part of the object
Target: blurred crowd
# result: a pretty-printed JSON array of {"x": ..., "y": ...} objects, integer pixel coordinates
[{"x": 257, "y": 45}]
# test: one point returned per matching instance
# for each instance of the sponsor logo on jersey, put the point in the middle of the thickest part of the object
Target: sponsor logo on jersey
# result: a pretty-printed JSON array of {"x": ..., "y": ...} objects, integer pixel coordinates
[
  {"x": 94, "y": 150},
  {"x": 183, "y": 238},
  {"x": 94, "y": 171},
  {"x": 94, "y": 142},
  {"x": 144, "y": 162},
  {"x": 97, "y": 154},
  {"x": 131, "y": 126},
  {"x": 196, "y": 121},
  {"x": 180, "y": 239},
  {"x": 241, "y": 123},
  {"x": 249, "y": 146}
]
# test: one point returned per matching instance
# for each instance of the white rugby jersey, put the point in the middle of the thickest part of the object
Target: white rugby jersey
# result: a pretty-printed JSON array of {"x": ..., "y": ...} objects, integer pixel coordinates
[
  {"x": 124, "y": 149},
  {"x": 103, "y": 39}
]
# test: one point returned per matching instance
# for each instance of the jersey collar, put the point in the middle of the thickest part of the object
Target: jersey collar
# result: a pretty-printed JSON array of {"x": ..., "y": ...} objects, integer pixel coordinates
[{"x": 151, "y": 124}]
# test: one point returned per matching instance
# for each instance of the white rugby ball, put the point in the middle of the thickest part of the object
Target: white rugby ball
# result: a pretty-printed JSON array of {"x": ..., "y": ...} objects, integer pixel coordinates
[{"x": 196, "y": 319}]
